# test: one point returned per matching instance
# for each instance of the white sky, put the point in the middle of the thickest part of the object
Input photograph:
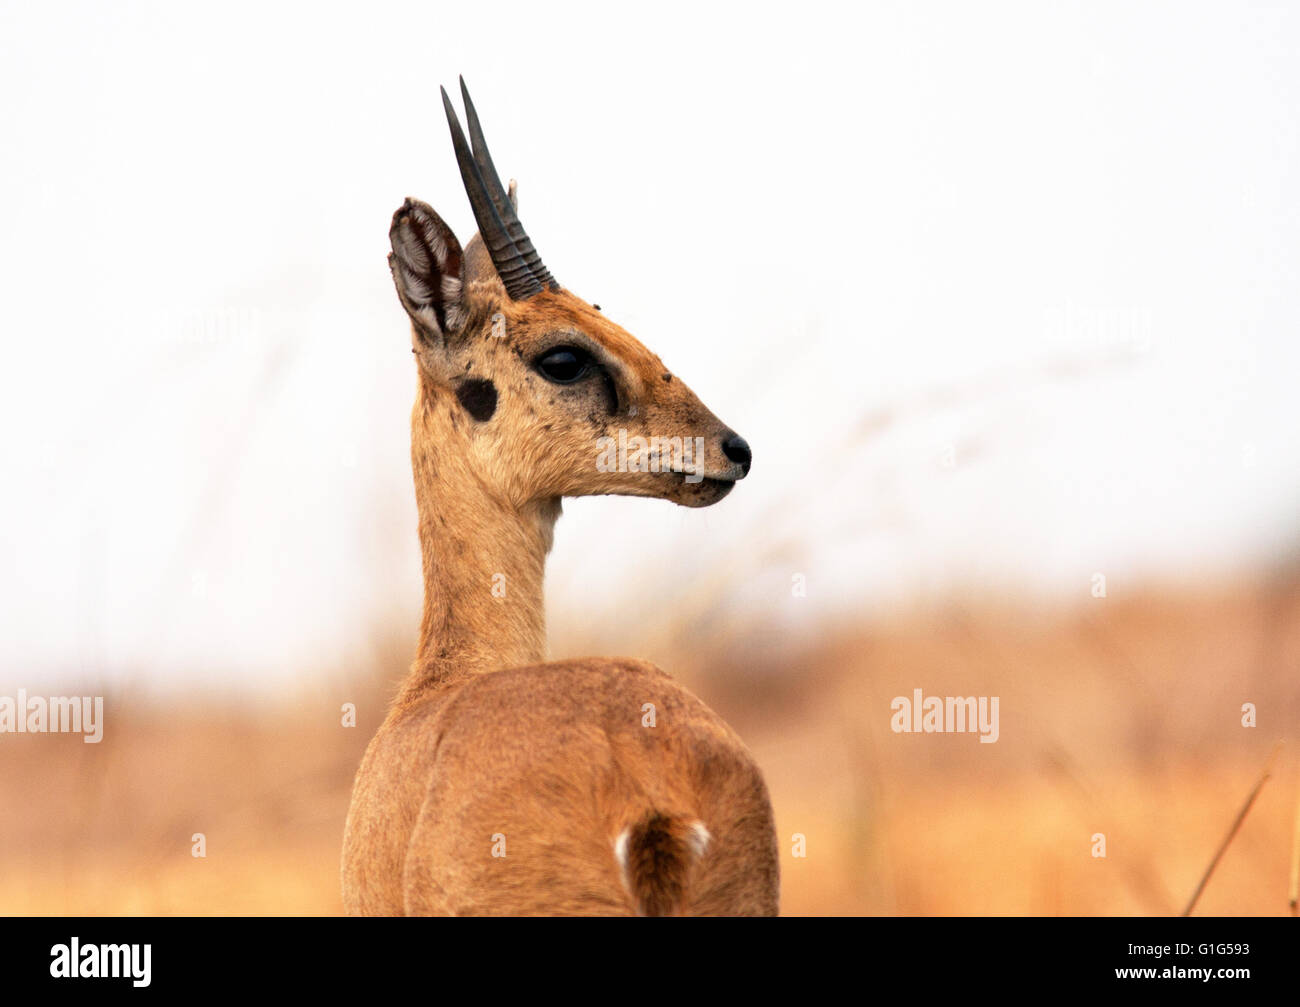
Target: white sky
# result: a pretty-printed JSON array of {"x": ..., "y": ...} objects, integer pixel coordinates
[{"x": 1057, "y": 240}]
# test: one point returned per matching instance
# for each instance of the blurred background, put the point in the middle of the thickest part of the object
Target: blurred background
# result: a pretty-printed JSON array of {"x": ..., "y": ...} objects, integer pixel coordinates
[{"x": 1004, "y": 298}]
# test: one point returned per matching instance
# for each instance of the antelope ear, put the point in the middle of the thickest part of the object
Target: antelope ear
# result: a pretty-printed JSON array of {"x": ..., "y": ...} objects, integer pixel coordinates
[{"x": 426, "y": 266}]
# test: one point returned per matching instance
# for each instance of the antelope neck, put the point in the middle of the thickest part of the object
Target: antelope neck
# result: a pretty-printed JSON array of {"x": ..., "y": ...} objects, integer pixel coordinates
[{"x": 484, "y": 558}]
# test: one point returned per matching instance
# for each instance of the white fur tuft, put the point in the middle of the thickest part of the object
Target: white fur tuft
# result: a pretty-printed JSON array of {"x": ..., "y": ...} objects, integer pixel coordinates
[{"x": 700, "y": 839}]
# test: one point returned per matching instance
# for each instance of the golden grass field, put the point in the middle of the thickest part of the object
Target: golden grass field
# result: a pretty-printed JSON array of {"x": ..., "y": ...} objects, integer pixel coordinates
[{"x": 1121, "y": 716}]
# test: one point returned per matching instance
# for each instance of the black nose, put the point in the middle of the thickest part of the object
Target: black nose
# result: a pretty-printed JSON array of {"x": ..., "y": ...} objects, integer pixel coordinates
[{"x": 736, "y": 448}]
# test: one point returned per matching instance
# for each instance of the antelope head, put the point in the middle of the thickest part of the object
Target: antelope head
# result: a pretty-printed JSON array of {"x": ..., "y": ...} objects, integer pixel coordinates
[{"x": 549, "y": 397}]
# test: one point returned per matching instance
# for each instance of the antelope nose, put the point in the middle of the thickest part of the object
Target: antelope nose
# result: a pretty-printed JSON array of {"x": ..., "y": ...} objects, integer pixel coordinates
[{"x": 736, "y": 448}]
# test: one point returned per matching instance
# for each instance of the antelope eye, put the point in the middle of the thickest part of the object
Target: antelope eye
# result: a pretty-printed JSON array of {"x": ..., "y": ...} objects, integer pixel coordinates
[{"x": 563, "y": 365}]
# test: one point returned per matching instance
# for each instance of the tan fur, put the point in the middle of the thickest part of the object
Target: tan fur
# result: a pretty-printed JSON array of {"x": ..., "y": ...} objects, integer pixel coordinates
[{"x": 487, "y": 744}]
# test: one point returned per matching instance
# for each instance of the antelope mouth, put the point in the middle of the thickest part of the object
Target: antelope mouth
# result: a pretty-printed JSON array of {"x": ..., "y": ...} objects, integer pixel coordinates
[
  {"x": 721, "y": 486},
  {"x": 695, "y": 477},
  {"x": 698, "y": 479},
  {"x": 700, "y": 492}
]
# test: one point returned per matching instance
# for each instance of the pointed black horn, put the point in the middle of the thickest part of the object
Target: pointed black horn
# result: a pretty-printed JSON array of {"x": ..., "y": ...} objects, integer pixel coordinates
[
  {"x": 500, "y": 198},
  {"x": 520, "y": 283}
]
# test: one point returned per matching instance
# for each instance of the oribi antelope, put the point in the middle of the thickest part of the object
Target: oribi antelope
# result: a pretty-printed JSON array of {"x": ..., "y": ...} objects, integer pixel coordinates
[{"x": 501, "y": 784}]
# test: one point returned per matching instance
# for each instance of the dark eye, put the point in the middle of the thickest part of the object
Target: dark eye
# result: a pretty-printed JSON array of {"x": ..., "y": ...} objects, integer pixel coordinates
[{"x": 563, "y": 365}]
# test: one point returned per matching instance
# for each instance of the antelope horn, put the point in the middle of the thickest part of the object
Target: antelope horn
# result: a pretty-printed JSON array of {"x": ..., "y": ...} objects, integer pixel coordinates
[
  {"x": 500, "y": 197},
  {"x": 520, "y": 283}
]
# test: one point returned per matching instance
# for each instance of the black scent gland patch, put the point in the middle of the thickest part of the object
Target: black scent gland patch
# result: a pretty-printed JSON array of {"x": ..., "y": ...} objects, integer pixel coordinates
[{"x": 479, "y": 398}]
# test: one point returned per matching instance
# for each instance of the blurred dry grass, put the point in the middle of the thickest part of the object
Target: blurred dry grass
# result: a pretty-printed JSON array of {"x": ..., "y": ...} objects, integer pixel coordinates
[{"x": 1120, "y": 717}]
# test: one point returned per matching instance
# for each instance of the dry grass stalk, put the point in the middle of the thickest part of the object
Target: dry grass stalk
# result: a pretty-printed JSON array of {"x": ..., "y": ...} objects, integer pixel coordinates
[
  {"x": 1293, "y": 892},
  {"x": 1232, "y": 832}
]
